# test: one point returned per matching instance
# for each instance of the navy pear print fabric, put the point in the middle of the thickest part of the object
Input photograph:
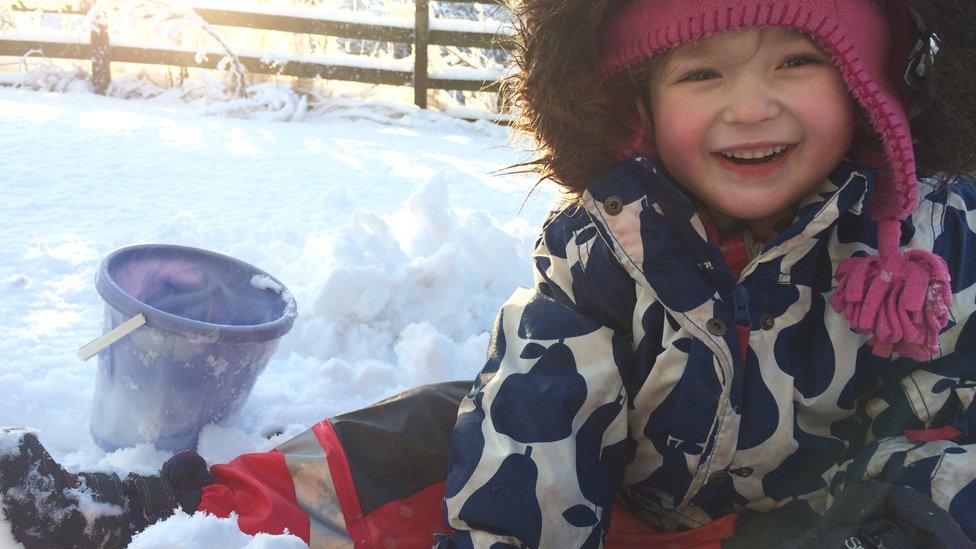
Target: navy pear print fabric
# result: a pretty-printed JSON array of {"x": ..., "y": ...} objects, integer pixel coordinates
[{"x": 621, "y": 373}]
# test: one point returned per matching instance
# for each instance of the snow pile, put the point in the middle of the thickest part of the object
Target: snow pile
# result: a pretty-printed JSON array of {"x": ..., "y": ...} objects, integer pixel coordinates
[
  {"x": 143, "y": 459},
  {"x": 426, "y": 262},
  {"x": 267, "y": 101},
  {"x": 182, "y": 531},
  {"x": 49, "y": 77},
  {"x": 221, "y": 444},
  {"x": 413, "y": 294},
  {"x": 381, "y": 219},
  {"x": 391, "y": 302}
]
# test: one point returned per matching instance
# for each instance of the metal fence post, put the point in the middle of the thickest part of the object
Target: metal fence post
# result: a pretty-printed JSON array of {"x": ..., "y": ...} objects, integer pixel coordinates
[{"x": 421, "y": 38}]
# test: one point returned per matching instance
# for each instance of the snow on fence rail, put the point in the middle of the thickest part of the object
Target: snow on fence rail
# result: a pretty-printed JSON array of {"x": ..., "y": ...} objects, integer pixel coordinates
[{"x": 422, "y": 33}]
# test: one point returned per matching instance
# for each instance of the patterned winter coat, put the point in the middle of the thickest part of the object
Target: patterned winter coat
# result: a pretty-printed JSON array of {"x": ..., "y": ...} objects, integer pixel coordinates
[{"x": 638, "y": 369}]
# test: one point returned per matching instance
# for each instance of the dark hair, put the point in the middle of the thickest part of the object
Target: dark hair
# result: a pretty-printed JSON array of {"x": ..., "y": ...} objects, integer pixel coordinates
[{"x": 576, "y": 125}]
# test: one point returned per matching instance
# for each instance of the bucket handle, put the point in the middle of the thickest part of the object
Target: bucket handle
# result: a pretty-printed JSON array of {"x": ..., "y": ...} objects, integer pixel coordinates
[{"x": 111, "y": 337}]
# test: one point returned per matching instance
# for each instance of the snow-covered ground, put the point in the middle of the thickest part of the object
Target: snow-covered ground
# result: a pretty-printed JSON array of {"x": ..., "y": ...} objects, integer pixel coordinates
[{"x": 382, "y": 220}]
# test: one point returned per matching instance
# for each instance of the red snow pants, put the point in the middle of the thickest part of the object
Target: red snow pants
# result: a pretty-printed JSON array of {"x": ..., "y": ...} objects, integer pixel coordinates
[{"x": 374, "y": 479}]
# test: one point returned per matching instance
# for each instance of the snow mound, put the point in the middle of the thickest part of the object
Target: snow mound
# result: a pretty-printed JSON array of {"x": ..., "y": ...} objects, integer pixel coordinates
[
  {"x": 403, "y": 299},
  {"x": 200, "y": 531}
]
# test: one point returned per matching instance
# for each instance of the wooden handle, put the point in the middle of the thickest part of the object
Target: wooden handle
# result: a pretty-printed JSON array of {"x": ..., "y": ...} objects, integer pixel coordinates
[{"x": 111, "y": 337}]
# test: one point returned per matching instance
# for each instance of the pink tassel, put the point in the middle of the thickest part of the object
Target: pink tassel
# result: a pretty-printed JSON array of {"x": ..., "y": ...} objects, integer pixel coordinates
[{"x": 902, "y": 301}]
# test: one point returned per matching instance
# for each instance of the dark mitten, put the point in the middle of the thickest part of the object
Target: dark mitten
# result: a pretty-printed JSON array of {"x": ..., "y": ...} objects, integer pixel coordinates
[
  {"x": 179, "y": 485},
  {"x": 187, "y": 473},
  {"x": 878, "y": 514}
]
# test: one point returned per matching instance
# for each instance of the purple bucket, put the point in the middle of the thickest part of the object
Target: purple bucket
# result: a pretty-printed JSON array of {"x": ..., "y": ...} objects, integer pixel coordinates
[{"x": 212, "y": 324}]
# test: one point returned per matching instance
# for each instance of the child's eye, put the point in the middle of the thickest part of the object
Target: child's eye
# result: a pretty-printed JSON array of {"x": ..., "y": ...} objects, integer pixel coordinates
[
  {"x": 800, "y": 61},
  {"x": 698, "y": 76}
]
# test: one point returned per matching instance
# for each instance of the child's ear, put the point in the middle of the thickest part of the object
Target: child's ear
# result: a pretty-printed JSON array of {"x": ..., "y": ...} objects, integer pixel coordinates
[
  {"x": 645, "y": 119},
  {"x": 643, "y": 111}
]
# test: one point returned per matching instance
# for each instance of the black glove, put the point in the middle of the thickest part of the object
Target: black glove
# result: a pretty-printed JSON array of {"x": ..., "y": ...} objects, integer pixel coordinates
[{"x": 43, "y": 502}]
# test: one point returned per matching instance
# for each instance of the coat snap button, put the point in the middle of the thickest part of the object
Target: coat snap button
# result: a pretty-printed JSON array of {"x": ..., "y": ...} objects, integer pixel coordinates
[
  {"x": 767, "y": 322},
  {"x": 613, "y": 205},
  {"x": 744, "y": 472},
  {"x": 717, "y": 477},
  {"x": 716, "y": 327}
]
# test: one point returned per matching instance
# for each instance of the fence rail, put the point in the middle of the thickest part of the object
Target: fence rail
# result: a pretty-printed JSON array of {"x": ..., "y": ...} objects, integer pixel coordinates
[{"x": 420, "y": 35}]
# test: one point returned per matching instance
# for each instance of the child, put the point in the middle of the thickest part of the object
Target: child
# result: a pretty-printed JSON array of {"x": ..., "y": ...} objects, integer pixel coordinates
[
  {"x": 752, "y": 323},
  {"x": 754, "y": 311}
]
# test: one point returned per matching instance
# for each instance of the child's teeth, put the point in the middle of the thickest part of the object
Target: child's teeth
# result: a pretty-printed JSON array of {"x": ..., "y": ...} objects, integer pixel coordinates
[{"x": 758, "y": 153}]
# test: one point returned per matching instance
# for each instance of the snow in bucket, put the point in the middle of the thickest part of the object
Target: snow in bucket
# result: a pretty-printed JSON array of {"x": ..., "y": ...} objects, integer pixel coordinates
[{"x": 212, "y": 322}]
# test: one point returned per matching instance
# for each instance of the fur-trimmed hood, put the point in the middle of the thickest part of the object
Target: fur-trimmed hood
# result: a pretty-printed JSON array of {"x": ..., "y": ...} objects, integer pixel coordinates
[
  {"x": 557, "y": 88},
  {"x": 576, "y": 123}
]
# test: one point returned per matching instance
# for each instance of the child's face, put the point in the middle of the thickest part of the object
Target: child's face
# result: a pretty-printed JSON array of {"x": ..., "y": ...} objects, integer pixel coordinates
[{"x": 750, "y": 91}]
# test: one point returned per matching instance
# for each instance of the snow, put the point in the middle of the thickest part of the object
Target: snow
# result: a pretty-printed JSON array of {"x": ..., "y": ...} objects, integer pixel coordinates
[
  {"x": 182, "y": 531},
  {"x": 468, "y": 113},
  {"x": 321, "y": 14},
  {"x": 46, "y": 35},
  {"x": 90, "y": 509},
  {"x": 467, "y": 73},
  {"x": 263, "y": 282},
  {"x": 10, "y": 440},
  {"x": 335, "y": 59},
  {"x": 382, "y": 220},
  {"x": 485, "y": 26}
]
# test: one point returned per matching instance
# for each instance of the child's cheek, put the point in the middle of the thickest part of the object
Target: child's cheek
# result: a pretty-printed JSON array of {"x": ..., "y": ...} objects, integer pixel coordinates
[
  {"x": 680, "y": 132},
  {"x": 827, "y": 111}
]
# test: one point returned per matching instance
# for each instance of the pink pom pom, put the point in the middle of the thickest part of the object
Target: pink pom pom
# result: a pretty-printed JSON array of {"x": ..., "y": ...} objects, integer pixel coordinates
[{"x": 902, "y": 301}]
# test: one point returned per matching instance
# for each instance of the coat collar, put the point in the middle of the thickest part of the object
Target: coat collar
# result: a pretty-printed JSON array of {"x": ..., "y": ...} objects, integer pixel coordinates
[{"x": 636, "y": 201}]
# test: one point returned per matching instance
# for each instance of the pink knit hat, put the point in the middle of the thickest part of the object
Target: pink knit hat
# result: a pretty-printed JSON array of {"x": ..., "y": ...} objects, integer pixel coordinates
[{"x": 901, "y": 298}]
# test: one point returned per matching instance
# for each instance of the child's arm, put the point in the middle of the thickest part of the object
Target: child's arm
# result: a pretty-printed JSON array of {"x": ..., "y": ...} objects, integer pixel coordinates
[
  {"x": 541, "y": 441},
  {"x": 923, "y": 422}
]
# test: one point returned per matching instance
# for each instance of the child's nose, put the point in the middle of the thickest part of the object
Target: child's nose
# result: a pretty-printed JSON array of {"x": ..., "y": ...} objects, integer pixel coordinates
[{"x": 749, "y": 104}]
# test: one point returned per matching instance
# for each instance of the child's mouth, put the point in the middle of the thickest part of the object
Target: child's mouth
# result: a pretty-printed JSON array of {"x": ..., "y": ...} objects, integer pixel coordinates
[
  {"x": 763, "y": 160},
  {"x": 756, "y": 167}
]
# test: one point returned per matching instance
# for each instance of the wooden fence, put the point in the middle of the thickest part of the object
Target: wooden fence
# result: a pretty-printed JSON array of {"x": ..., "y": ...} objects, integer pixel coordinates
[{"x": 420, "y": 35}]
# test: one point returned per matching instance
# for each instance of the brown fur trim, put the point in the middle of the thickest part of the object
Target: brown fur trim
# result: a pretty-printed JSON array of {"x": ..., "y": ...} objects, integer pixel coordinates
[
  {"x": 944, "y": 127},
  {"x": 576, "y": 126},
  {"x": 560, "y": 104}
]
